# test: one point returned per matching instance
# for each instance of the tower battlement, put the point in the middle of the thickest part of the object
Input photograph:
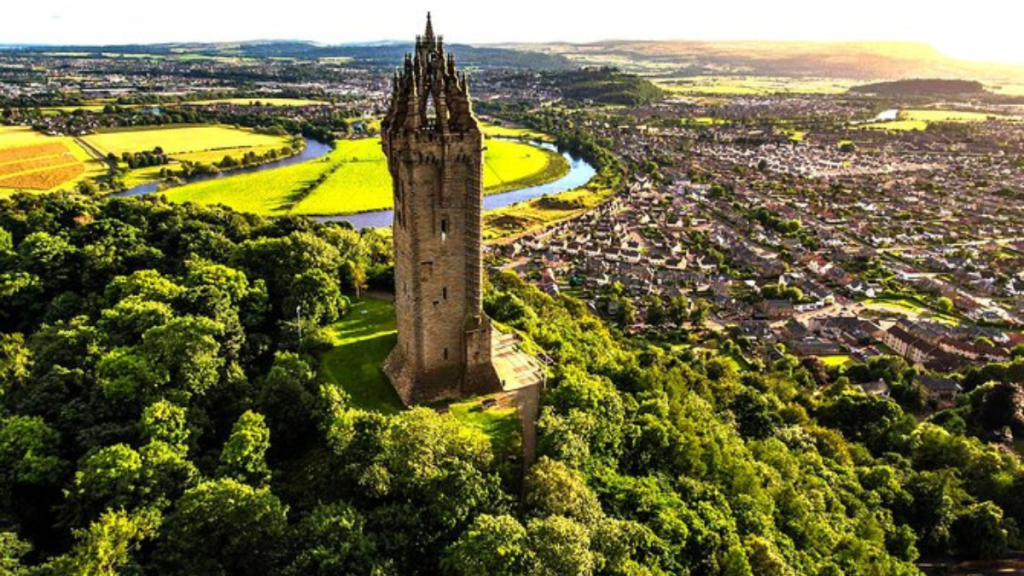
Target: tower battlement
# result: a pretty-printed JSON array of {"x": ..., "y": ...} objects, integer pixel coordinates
[{"x": 434, "y": 148}]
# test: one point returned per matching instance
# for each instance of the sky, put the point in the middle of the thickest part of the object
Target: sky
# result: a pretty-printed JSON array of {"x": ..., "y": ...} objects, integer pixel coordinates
[{"x": 987, "y": 30}]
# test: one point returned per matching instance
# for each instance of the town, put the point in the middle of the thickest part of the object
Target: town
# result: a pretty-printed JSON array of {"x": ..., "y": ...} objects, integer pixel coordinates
[{"x": 840, "y": 243}]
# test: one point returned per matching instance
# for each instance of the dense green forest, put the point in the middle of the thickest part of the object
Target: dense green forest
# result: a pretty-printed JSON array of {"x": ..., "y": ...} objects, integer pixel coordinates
[
  {"x": 606, "y": 86},
  {"x": 159, "y": 414},
  {"x": 922, "y": 86}
]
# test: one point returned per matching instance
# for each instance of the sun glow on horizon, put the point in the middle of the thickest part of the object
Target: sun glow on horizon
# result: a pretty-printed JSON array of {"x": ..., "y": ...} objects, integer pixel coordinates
[{"x": 987, "y": 30}]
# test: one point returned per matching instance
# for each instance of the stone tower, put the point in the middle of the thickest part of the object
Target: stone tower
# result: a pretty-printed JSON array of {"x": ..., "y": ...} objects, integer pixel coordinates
[{"x": 434, "y": 149}]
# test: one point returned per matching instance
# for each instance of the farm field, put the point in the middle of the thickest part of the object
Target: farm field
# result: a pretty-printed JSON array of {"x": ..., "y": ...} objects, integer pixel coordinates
[
  {"x": 920, "y": 119},
  {"x": 179, "y": 140},
  {"x": 752, "y": 85},
  {"x": 524, "y": 216},
  {"x": 496, "y": 131},
  {"x": 30, "y": 160},
  {"x": 356, "y": 180},
  {"x": 837, "y": 361},
  {"x": 54, "y": 110},
  {"x": 263, "y": 101},
  {"x": 201, "y": 144}
]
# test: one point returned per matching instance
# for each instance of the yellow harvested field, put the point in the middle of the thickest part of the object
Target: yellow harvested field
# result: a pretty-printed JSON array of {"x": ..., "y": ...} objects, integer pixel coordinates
[
  {"x": 44, "y": 179},
  {"x": 30, "y": 160},
  {"x": 10, "y": 155},
  {"x": 262, "y": 101},
  {"x": 38, "y": 162},
  {"x": 181, "y": 139}
]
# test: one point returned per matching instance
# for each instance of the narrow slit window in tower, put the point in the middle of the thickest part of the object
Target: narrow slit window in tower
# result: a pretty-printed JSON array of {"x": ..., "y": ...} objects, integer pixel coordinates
[
  {"x": 444, "y": 292},
  {"x": 445, "y": 353},
  {"x": 444, "y": 229}
]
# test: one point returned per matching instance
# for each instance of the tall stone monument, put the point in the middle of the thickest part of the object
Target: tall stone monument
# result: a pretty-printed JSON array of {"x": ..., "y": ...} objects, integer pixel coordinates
[{"x": 434, "y": 148}]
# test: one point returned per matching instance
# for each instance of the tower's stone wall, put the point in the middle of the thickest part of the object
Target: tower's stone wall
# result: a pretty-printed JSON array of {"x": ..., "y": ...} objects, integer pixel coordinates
[{"x": 434, "y": 148}]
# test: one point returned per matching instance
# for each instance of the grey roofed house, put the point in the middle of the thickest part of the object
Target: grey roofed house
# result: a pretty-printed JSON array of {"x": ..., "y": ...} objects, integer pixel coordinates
[
  {"x": 876, "y": 388},
  {"x": 938, "y": 386}
]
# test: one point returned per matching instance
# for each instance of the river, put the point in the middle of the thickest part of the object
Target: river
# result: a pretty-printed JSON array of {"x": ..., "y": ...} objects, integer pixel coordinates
[
  {"x": 580, "y": 172},
  {"x": 312, "y": 151},
  {"x": 883, "y": 116}
]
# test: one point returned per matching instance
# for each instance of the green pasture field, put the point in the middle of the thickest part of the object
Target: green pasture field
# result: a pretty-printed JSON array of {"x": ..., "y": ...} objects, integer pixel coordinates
[
  {"x": 496, "y": 131},
  {"x": 357, "y": 180},
  {"x": 178, "y": 140}
]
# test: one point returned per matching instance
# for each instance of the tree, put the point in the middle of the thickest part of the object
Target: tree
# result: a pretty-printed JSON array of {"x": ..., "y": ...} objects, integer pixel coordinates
[
  {"x": 625, "y": 316},
  {"x": 224, "y": 527},
  {"x": 319, "y": 297},
  {"x": 166, "y": 422},
  {"x": 6, "y": 242},
  {"x": 28, "y": 452},
  {"x": 353, "y": 277},
  {"x": 678, "y": 309},
  {"x": 756, "y": 415},
  {"x": 185, "y": 353},
  {"x": 1002, "y": 404},
  {"x": 105, "y": 549},
  {"x": 111, "y": 478},
  {"x": 552, "y": 488},
  {"x": 147, "y": 285},
  {"x": 129, "y": 319},
  {"x": 243, "y": 457},
  {"x": 558, "y": 547},
  {"x": 87, "y": 188},
  {"x": 286, "y": 399},
  {"x": 862, "y": 418},
  {"x": 656, "y": 313},
  {"x": 15, "y": 361},
  {"x": 12, "y": 549},
  {"x": 982, "y": 532},
  {"x": 493, "y": 545},
  {"x": 333, "y": 540},
  {"x": 944, "y": 304}
]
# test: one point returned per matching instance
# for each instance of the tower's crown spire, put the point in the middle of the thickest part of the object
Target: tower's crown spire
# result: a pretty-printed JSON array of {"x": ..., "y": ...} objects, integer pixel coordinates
[
  {"x": 429, "y": 93},
  {"x": 429, "y": 34}
]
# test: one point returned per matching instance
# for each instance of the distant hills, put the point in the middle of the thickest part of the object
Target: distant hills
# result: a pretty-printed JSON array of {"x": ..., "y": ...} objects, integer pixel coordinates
[
  {"x": 922, "y": 87},
  {"x": 385, "y": 54},
  {"x": 854, "y": 60}
]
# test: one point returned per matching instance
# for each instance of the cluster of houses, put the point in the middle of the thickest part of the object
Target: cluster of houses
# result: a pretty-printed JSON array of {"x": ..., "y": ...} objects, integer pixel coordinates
[{"x": 923, "y": 206}]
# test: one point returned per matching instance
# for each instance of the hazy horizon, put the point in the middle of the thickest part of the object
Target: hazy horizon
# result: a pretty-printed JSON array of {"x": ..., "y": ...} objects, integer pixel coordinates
[{"x": 979, "y": 34}]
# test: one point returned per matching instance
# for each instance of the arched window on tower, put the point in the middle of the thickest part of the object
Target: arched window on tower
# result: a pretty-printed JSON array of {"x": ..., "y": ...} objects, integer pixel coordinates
[
  {"x": 444, "y": 229},
  {"x": 431, "y": 111}
]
